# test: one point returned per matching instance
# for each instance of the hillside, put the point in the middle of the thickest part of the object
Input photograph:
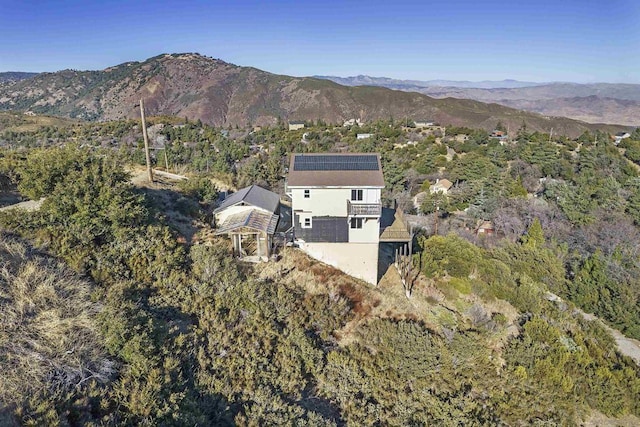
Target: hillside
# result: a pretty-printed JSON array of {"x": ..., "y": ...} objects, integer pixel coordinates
[
  {"x": 590, "y": 108},
  {"x": 14, "y": 76},
  {"x": 222, "y": 94},
  {"x": 400, "y": 84},
  {"x": 593, "y": 103},
  {"x": 19, "y": 122},
  {"x": 183, "y": 334}
]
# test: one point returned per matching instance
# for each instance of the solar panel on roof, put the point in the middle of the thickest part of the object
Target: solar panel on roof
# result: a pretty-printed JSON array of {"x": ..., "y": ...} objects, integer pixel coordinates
[{"x": 336, "y": 163}]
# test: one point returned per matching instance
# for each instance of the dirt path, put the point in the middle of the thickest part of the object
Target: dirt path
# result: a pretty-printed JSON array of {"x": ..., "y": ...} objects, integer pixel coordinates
[
  {"x": 628, "y": 346},
  {"x": 139, "y": 178},
  {"x": 29, "y": 205}
]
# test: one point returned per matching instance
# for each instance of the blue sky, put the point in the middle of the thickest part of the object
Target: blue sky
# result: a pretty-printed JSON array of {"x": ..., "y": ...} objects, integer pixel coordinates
[{"x": 561, "y": 40}]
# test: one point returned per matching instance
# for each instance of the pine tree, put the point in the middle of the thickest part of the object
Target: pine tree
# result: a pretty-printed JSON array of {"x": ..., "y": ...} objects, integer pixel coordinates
[{"x": 534, "y": 238}]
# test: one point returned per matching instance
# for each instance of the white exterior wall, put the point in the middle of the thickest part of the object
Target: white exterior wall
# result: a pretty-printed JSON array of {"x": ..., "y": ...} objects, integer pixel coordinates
[
  {"x": 371, "y": 195},
  {"x": 359, "y": 257},
  {"x": 232, "y": 210},
  {"x": 321, "y": 201},
  {"x": 359, "y": 260},
  {"x": 369, "y": 233},
  {"x": 438, "y": 189},
  {"x": 329, "y": 201}
]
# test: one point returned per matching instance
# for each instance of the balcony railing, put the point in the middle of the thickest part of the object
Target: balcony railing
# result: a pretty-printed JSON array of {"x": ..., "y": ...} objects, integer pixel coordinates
[{"x": 364, "y": 209}]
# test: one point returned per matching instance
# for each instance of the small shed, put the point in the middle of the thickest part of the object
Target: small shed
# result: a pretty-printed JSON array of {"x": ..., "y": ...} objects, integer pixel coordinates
[{"x": 249, "y": 218}]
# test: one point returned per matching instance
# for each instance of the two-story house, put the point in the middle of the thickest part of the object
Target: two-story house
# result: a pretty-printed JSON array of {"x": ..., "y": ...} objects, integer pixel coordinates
[{"x": 337, "y": 208}]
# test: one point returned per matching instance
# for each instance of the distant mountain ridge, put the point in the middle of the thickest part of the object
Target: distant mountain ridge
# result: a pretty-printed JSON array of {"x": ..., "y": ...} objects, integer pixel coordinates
[
  {"x": 223, "y": 94},
  {"x": 592, "y": 102},
  {"x": 362, "y": 80},
  {"x": 9, "y": 77}
]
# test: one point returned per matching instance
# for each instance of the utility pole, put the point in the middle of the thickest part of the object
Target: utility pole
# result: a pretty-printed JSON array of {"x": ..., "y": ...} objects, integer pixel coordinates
[{"x": 146, "y": 142}]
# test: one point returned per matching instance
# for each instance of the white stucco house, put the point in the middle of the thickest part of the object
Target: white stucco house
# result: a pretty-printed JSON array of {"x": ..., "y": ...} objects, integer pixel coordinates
[
  {"x": 337, "y": 208},
  {"x": 620, "y": 136},
  {"x": 440, "y": 186}
]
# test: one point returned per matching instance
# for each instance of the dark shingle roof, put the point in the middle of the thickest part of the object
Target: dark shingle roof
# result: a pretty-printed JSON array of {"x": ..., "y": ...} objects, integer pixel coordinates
[
  {"x": 335, "y": 170},
  {"x": 255, "y": 196}
]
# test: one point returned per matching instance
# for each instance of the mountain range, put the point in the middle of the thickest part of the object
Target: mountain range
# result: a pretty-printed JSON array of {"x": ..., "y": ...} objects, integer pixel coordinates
[
  {"x": 9, "y": 77},
  {"x": 593, "y": 102},
  {"x": 363, "y": 80},
  {"x": 223, "y": 94}
]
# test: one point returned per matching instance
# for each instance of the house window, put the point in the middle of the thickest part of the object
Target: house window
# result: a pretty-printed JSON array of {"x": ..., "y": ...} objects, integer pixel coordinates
[
  {"x": 356, "y": 222},
  {"x": 307, "y": 194},
  {"x": 307, "y": 223},
  {"x": 356, "y": 195}
]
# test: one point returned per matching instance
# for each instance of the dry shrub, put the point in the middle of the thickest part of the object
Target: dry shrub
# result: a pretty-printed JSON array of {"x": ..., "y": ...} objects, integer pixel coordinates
[
  {"x": 357, "y": 298},
  {"x": 324, "y": 273},
  {"x": 433, "y": 295},
  {"x": 411, "y": 317},
  {"x": 302, "y": 262},
  {"x": 432, "y": 300},
  {"x": 48, "y": 337}
]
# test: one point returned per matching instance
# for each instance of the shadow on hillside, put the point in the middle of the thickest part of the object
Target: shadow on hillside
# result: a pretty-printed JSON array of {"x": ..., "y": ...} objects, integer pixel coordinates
[
  {"x": 321, "y": 406},
  {"x": 9, "y": 194}
]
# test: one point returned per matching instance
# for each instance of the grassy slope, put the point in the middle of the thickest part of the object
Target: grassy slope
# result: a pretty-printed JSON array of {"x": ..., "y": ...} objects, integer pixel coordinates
[{"x": 49, "y": 340}]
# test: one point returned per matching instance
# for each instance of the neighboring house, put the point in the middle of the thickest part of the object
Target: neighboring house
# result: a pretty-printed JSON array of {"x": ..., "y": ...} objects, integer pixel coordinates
[
  {"x": 423, "y": 123},
  {"x": 407, "y": 144},
  {"x": 249, "y": 217},
  {"x": 441, "y": 186},
  {"x": 485, "y": 228},
  {"x": 620, "y": 136},
  {"x": 363, "y": 135},
  {"x": 296, "y": 125},
  {"x": 352, "y": 122},
  {"x": 337, "y": 208},
  {"x": 498, "y": 134}
]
